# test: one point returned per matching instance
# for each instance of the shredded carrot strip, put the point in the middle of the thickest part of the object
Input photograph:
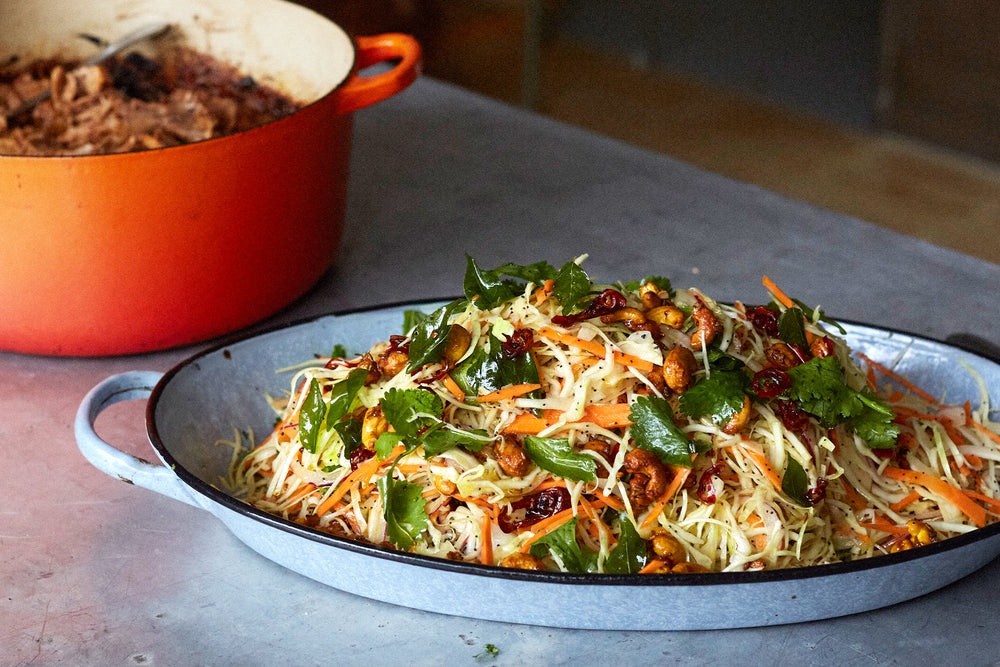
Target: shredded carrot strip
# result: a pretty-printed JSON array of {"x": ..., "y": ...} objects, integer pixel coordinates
[
  {"x": 899, "y": 506},
  {"x": 680, "y": 476},
  {"x": 486, "y": 540},
  {"x": 542, "y": 293},
  {"x": 778, "y": 294},
  {"x": 954, "y": 495},
  {"x": 364, "y": 471},
  {"x": 899, "y": 378},
  {"x": 985, "y": 431},
  {"x": 885, "y": 527},
  {"x": 453, "y": 388},
  {"x": 513, "y": 391},
  {"x": 992, "y": 502},
  {"x": 652, "y": 566},
  {"x": 596, "y": 349},
  {"x": 762, "y": 464},
  {"x": 301, "y": 493},
  {"x": 605, "y": 415}
]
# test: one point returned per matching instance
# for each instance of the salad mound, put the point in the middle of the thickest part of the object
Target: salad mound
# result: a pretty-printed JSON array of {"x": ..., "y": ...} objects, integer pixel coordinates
[{"x": 546, "y": 422}]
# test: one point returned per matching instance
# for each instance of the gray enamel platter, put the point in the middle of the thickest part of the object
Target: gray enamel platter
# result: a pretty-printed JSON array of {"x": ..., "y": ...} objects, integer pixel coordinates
[{"x": 205, "y": 398}]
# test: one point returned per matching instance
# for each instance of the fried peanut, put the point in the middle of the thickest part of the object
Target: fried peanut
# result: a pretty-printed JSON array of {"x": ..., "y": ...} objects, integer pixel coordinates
[
  {"x": 373, "y": 425},
  {"x": 708, "y": 327},
  {"x": 649, "y": 477},
  {"x": 522, "y": 561},
  {"x": 512, "y": 458},
  {"x": 678, "y": 369},
  {"x": 740, "y": 419}
]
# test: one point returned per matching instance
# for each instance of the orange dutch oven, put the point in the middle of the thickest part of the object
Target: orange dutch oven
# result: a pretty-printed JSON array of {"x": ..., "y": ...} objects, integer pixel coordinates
[{"x": 114, "y": 254}]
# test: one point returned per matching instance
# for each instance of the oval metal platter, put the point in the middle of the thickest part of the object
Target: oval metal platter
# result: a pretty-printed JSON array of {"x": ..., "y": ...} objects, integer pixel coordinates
[{"x": 205, "y": 398}]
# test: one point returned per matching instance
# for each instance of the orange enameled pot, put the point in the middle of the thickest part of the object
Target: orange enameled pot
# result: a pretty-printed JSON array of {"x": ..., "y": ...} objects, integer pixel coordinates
[{"x": 126, "y": 253}]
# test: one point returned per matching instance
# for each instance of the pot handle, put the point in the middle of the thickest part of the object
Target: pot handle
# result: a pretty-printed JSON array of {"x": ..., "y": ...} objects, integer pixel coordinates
[
  {"x": 133, "y": 386},
  {"x": 362, "y": 91}
]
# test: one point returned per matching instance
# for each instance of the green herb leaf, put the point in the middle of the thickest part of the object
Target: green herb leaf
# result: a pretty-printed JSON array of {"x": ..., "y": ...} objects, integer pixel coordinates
[
  {"x": 821, "y": 390},
  {"x": 438, "y": 440},
  {"x": 410, "y": 410},
  {"x": 490, "y": 288},
  {"x": 719, "y": 396},
  {"x": 818, "y": 385},
  {"x": 562, "y": 543},
  {"x": 311, "y": 416},
  {"x": 653, "y": 428},
  {"x": 629, "y": 555},
  {"x": 795, "y": 483},
  {"x": 350, "y": 434},
  {"x": 488, "y": 369},
  {"x": 822, "y": 317},
  {"x": 792, "y": 329},
  {"x": 343, "y": 394},
  {"x": 430, "y": 334},
  {"x": 404, "y": 509},
  {"x": 339, "y": 352},
  {"x": 489, "y": 651},
  {"x": 385, "y": 443},
  {"x": 557, "y": 456},
  {"x": 875, "y": 424},
  {"x": 571, "y": 285}
]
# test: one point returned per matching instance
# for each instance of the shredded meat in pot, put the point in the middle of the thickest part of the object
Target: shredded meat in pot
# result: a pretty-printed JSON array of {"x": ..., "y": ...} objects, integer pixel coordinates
[{"x": 132, "y": 103}]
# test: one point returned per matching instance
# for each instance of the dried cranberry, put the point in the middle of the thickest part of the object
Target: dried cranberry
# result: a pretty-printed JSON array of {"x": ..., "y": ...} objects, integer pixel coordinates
[
  {"x": 604, "y": 303},
  {"x": 764, "y": 319},
  {"x": 818, "y": 492},
  {"x": 518, "y": 343},
  {"x": 536, "y": 507},
  {"x": 792, "y": 416},
  {"x": 706, "y": 487},
  {"x": 771, "y": 382},
  {"x": 359, "y": 456},
  {"x": 398, "y": 344}
]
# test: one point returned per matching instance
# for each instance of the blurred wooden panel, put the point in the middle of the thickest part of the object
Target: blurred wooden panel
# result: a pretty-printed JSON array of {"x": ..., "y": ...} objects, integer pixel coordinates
[{"x": 940, "y": 73}]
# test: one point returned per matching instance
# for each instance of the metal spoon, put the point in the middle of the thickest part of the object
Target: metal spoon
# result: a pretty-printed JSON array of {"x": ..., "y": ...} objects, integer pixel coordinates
[{"x": 150, "y": 31}]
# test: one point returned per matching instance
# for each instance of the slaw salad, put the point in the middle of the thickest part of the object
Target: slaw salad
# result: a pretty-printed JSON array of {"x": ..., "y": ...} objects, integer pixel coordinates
[{"x": 547, "y": 422}]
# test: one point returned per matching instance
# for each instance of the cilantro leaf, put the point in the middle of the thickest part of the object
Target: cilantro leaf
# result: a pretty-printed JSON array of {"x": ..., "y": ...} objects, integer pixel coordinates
[
  {"x": 385, "y": 443},
  {"x": 820, "y": 388},
  {"x": 719, "y": 396},
  {"x": 557, "y": 456},
  {"x": 429, "y": 334},
  {"x": 410, "y": 410},
  {"x": 339, "y": 352},
  {"x": 629, "y": 555},
  {"x": 653, "y": 429},
  {"x": 404, "y": 509},
  {"x": 562, "y": 543},
  {"x": 875, "y": 424},
  {"x": 311, "y": 416},
  {"x": 795, "y": 482},
  {"x": 571, "y": 285},
  {"x": 818, "y": 385}
]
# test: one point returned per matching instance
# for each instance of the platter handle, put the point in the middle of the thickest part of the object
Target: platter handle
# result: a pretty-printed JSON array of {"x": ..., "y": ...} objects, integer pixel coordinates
[{"x": 132, "y": 386}]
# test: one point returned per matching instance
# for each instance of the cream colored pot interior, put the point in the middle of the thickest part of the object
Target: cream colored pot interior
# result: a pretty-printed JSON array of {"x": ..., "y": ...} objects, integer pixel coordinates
[{"x": 282, "y": 45}]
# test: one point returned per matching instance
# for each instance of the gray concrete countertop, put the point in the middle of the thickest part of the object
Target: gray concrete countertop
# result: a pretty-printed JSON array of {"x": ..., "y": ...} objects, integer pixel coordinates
[{"x": 93, "y": 571}]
